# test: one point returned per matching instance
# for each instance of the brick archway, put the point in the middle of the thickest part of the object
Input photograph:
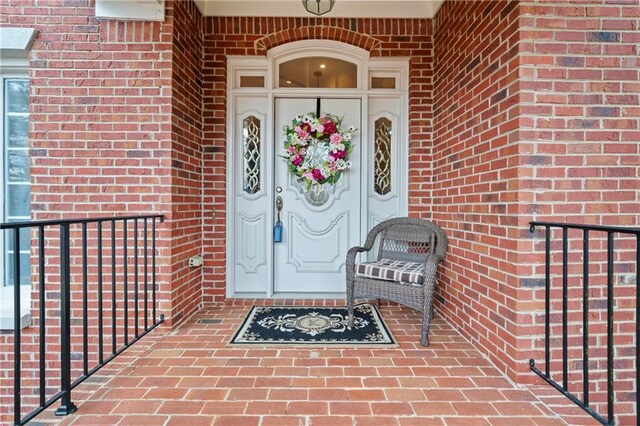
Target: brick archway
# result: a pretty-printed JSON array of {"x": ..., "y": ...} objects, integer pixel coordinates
[{"x": 363, "y": 41}]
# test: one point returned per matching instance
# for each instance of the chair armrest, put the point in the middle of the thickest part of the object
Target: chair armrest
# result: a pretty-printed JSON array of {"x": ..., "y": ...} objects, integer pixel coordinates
[
  {"x": 353, "y": 251},
  {"x": 430, "y": 269}
]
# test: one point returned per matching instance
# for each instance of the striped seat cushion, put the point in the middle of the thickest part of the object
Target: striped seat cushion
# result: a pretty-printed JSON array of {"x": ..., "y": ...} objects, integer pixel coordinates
[{"x": 392, "y": 270}]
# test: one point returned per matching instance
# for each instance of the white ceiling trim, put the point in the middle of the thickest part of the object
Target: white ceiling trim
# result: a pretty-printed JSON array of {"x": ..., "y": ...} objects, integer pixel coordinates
[
  {"x": 341, "y": 9},
  {"x": 144, "y": 10}
]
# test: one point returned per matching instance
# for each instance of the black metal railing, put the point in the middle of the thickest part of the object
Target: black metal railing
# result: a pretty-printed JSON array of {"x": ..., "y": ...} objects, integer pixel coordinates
[
  {"x": 583, "y": 235},
  {"x": 62, "y": 245}
]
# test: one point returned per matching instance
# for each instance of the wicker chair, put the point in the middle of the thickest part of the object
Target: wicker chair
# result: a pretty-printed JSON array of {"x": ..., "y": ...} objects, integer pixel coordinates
[{"x": 405, "y": 270}]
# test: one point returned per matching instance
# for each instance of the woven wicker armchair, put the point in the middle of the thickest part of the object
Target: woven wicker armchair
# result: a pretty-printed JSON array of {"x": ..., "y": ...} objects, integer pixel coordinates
[{"x": 405, "y": 270}]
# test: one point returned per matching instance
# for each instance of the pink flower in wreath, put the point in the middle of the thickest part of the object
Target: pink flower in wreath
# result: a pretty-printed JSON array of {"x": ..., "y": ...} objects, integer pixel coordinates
[
  {"x": 339, "y": 154},
  {"x": 308, "y": 175},
  {"x": 332, "y": 164},
  {"x": 336, "y": 138},
  {"x": 317, "y": 174},
  {"x": 297, "y": 161},
  {"x": 302, "y": 134}
]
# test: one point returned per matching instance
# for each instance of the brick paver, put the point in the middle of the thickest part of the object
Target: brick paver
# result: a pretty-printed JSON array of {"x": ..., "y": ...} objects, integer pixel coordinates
[{"x": 192, "y": 377}]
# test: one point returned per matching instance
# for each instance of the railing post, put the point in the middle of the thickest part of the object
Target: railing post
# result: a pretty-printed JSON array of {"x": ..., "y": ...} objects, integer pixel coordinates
[
  {"x": 67, "y": 407},
  {"x": 17, "y": 327},
  {"x": 610, "y": 306}
]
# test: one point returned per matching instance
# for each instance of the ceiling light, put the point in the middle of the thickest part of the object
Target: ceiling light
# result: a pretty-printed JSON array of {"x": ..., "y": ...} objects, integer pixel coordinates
[
  {"x": 323, "y": 66},
  {"x": 288, "y": 81},
  {"x": 318, "y": 7}
]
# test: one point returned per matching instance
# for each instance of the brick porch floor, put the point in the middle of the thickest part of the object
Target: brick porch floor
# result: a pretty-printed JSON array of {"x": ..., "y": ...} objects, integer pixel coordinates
[{"x": 191, "y": 377}]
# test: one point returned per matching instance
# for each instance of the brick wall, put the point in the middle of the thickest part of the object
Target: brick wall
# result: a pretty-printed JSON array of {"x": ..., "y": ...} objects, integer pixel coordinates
[
  {"x": 186, "y": 155},
  {"x": 253, "y": 36},
  {"x": 580, "y": 127},
  {"x": 475, "y": 170},
  {"x": 536, "y": 117},
  {"x": 115, "y": 129},
  {"x": 116, "y": 124},
  {"x": 580, "y": 109}
]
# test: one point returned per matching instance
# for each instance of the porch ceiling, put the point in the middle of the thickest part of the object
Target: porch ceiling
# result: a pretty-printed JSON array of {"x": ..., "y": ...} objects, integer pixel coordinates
[{"x": 342, "y": 8}]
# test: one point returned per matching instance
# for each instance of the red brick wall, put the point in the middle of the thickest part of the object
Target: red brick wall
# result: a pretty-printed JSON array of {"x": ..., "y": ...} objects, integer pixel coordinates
[
  {"x": 253, "y": 36},
  {"x": 116, "y": 124},
  {"x": 580, "y": 127},
  {"x": 580, "y": 109},
  {"x": 186, "y": 155},
  {"x": 100, "y": 114},
  {"x": 475, "y": 170},
  {"x": 115, "y": 130}
]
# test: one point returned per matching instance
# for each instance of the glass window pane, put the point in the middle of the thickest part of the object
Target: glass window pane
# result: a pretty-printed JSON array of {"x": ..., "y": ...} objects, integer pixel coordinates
[
  {"x": 251, "y": 81},
  {"x": 318, "y": 71},
  {"x": 383, "y": 82},
  {"x": 382, "y": 156},
  {"x": 17, "y": 130},
  {"x": 25, "y": 279},
  {"x": 251, "y": 154},
  {"x": 25, "y": 238},
  {"x": 18, "y": 165},
  {"x": 17, "y": 95},
  {"x": 18, "y": 200}
]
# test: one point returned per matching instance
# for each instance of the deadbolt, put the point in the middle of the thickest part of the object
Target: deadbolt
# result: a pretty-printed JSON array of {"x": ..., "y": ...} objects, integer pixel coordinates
[{"x": 278, "y": 189}]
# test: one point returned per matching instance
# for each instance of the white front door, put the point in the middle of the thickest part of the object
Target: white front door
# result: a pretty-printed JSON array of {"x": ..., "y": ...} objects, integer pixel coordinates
[{"x": 311, "y": 256}]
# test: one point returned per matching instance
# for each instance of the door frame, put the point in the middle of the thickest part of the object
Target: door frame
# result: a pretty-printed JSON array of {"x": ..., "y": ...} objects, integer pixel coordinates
[{"x": 266, "y": 68}]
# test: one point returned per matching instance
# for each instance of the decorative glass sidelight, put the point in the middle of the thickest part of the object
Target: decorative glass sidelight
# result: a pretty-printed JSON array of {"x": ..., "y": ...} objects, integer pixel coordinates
[
  {"x": 382, "y": 156},
  {"x": 251, "y": 154}
]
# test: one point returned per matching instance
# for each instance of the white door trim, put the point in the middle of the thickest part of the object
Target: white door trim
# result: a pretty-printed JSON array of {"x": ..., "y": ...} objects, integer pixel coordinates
[{"x": 266, "y": 68}]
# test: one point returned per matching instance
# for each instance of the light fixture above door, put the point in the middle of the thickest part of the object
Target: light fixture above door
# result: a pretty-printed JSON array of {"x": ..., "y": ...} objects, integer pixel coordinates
[{"x": 318, "y": 7}]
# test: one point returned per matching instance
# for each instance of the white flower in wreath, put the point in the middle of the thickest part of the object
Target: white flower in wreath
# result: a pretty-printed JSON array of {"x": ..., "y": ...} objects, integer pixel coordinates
[
  {"x": 337, "y": 147},
  {"x": 294, "y": 139},
  {"x": 342, "y": 165}
]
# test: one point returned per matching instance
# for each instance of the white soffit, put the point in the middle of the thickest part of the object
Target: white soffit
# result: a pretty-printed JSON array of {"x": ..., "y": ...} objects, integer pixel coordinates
[
  {"x": 139, "y": 10},
  {"x": 341, "y": 9}
]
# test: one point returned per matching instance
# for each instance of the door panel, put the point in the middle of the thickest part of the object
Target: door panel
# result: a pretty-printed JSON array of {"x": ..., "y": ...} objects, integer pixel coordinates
[
  {"x": 315, "y": 241},
  {"x": 252, "y": 227}
]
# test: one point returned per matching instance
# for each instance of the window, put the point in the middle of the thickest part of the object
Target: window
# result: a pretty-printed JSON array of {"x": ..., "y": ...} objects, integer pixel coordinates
[
  {"x": 382, "y": 156},
  {"x": 15, "y": 186},
  {"x": 251, "y": 154},
  {"x": 383, "y": 82},
  {"x": 251, "y": 81},
  {"x": 318, "y": 71}
]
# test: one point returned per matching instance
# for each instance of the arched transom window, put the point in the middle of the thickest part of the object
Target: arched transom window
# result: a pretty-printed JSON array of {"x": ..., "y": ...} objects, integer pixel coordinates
[{"x": 318, "y": 71}]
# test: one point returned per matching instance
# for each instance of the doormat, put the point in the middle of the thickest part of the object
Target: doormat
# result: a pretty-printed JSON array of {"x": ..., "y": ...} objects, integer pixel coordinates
[{"x": 313, "y": 326}]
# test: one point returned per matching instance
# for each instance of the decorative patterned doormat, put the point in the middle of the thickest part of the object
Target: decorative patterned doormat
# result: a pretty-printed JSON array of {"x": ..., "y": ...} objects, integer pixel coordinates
[{"x": 318, "y": 326}]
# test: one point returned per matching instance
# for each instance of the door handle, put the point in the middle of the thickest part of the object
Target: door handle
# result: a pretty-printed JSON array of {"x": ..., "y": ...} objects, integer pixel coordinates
[
  {"x": 277, "y": 229},
  {"x": 279, "y": 204}
]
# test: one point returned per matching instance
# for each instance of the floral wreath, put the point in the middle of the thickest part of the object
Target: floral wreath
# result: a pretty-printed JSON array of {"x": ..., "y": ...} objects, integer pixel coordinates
[{"x": 317, "y": 149}]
